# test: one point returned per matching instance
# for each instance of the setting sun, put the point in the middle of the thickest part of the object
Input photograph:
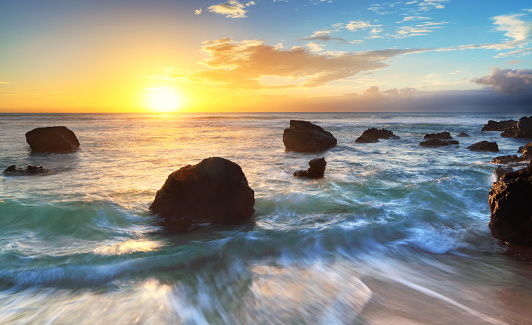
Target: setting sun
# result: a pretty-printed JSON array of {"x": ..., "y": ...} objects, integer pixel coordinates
[{"x": 164, "y": 100}]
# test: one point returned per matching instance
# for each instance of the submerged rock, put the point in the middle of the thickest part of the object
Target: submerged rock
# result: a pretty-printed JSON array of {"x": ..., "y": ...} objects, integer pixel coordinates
[
  {"x": 441, "y": 135},
  {"x": 365, "y": 139},
  {"x": 437, "y": 143},
  {"x": 212, "y": 191},
  {"x": 30, "y": 170},
  {"x": 57, "y": 139},
  {"x": 484, "y": 146},
  {"x": 316, "y": 169},
  {"x": 379, "y": 134},
  {"x": 523, "y": 129},
  {"x": 498, "y": 126},
  {"x": 303, "y": 136},
  {"x": 463, "y": 135},
  {"x": 510, "y": 205}
]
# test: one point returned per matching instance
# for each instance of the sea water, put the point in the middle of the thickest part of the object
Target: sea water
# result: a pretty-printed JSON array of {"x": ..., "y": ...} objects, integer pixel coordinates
[{"x": 395, "y": 233}]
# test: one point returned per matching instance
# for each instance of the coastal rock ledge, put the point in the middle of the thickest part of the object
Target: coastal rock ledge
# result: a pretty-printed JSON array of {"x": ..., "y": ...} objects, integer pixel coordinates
[
  {"x": 54, "y": 139},
  {"x": 510, "y": 206},
  {"x": 303, "y": 136},
  {"x": 212, "y": 191}
]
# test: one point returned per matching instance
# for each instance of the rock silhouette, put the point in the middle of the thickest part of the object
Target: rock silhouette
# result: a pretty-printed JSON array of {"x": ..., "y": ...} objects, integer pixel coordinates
[
  {"x": 523, "y": 129},
  {"x": 498, "y": 126},
  {"x": 303, "y": 136},
  {"x": 484, "y": 146},
  {"x": 316, "y": 169},
  {"x": 54, "y": 139}
]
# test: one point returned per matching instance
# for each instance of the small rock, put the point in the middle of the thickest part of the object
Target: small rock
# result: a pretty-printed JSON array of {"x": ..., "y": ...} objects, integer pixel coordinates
[
  {"x": 365, "y": 139},
  {"x": 498, "y": 126},
  {"x": 484, "y": 146},
  {"x": 437, "y": 143},
  {"x": 463, "y": 134},
  {"x": 441, "y": 135},
  {"x": 379, "y": 134},
  {"x": 30, "y": 170},
  {"x": 316, "y": 169},
  {"x": 303, "y": 136}
]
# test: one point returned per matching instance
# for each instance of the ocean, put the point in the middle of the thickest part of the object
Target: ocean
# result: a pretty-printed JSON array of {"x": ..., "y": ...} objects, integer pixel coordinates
[{"x": 395, "y": 233}]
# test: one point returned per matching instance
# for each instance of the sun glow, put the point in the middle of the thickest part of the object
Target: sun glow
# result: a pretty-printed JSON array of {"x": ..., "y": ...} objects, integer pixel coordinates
[{"x": 164, "y": 100}]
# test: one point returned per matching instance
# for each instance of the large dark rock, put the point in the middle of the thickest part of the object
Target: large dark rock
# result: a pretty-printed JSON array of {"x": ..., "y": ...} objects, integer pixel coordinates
[
  {"x": 316, "y": 169},
  {"x": 441, "y": 135},
  {"x": 498, "y": 126},
  {"x": 303, "y": 136},
  {"x": 510, "y": 201},
  {"x": 484, "y": 146},
  {"x": 506, "y": 159},
  {"x": 58, "y": 139},
  {"x": 364, "y": 139},
  {"x": 30, "y": 170},
  {"x": 437, "y": 143},
  {"x": 379, "y": 134},
  {"x": 213, "y": 191},
  {"x": 523, "y": 129},
  {"x": 526, "y": 150}
]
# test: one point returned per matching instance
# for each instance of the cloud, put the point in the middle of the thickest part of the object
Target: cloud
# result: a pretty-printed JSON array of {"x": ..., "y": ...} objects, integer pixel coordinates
[
  {"x": 508, "y": 81},
  {"x": 360, "y": 25},
  {"x": 413, "y": 18},
  {"x": 514, "y": 28},
  {"x": 427, "y": 5},
  {"x": 198, "y": 12},
  {"x": 5, "y": 82},
  {"x": 243, "y": 64},
  {"x": 417, "y": 30},
  {"x": 231, "y": 9},
  {"x": 323, "y": 36}
]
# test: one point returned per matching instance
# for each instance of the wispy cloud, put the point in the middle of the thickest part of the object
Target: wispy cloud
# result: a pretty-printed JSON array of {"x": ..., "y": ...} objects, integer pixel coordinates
[
  {"x": 5, "y": 82},
  {"x": 243, "y": 64},
  {"x": 508, "y": 80},
  {"x": 413, "y": 18},
  {"x": 357, "y": 25},
  {"x": 323, "y": 36},
  {"x": 427, "y": 5},
  {"x": 231, "y": 9},
  {"x": 418, "y": 30}
]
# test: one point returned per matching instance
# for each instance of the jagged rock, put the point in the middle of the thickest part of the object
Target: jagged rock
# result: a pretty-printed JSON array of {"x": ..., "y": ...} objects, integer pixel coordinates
[
  {"x": 303, "y": 136},
  {"x": 463, "y": 134},
  {"x": 498, "y": 126},
  {"x": 441, "y": 135},
  {"x": 365, "y": 139},
  {"x": 506, "y": 159},
  {"x": 526, "y": 150},
  {"x": 437, "y": 143},
  {"x": 379, "y": 134},
  {"x": 58, "y": 139},
  {"x": 212, "y": 191},
  {"x": 316, "y": 169},
  {"x": 501, "y": 170},
  {"x": 30, "y": 170},
  {"x": 484, "y": 146},
  {"x": 523, "y": 129},
  {"x": 510, "y": 205}
]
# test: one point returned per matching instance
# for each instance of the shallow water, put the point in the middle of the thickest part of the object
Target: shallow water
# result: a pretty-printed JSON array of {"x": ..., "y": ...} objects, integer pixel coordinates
[{"x": 394, "y": 234}]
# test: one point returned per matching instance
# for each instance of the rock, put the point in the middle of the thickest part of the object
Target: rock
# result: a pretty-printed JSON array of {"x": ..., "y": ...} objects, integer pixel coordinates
[
  {"x": 441, "y": 135},
  {"x": 379, "y": 134},
  {"x": 463, "y": 134},
  {"x": 58, "y": 139},
  {"x": 510, "y": 205},
  {"x": 437, "y": 143},
  {"x": 303, "y": 136},
  {"x": 316, "y": 169},
  {"x": 506, "y": 159},
  {"x": 501, "y": 170},
  {"x": 498, "y": 126},
  {"x": 484, "y": 146},
  {"x": 526, "y": 150},
  {"x": 212, "y": 191},
  {"x": 30, "y": 170},
  {"x": 364, "y": 139},
  {"x": 523, "y": 129}
]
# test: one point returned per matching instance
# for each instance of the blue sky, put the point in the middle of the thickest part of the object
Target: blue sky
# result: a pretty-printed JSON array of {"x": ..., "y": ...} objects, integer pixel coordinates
[{"x": 263, "y": 54}]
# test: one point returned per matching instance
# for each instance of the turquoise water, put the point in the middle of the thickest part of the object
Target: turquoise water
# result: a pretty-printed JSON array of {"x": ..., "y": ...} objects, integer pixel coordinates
[{"x": 394, "y": 234}]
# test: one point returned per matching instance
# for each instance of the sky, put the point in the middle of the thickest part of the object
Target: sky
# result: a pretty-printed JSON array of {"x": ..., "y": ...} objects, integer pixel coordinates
[{"x": 265, "y": 55}]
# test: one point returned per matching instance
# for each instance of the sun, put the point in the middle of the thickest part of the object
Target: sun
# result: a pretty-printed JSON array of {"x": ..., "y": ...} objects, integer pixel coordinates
[{"x": 164, "y": 100}]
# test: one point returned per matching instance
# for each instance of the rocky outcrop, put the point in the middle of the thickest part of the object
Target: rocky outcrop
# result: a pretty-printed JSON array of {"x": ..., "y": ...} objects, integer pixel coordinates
[
  {"x": 316, "y": 169},
  {"x": 364, "y": 139},
  {"x": 303, "y": 136},
  {"x": 501, "y": 170},
  {"x": 437, "y": 143},
  {"x": 56, "y": 139},
  {"x": 510, "y": 205},
  {"x": 484, "y": 146},
  {"x": 212, "y": 191},
  {"x": 30, "y": 170},
  {"x": 526, "y": 150},
  {"x": 508, "y": 159},
  {"x": 463, "y": 135},
  {"x": 379, "y": 134},
  {"x": 441, "y": 135},
  {"x": 523, "y": 129},
  {"x": 498, "y": 126}
]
